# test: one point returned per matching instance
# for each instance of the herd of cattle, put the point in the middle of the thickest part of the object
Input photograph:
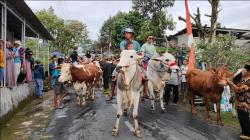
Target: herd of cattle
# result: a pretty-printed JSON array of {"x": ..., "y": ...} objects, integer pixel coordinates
[{"x": 208, "y": 84}]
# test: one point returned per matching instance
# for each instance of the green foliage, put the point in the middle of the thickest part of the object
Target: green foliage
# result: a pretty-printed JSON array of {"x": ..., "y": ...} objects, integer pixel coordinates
[
  {"x": 151, "y": 7},
  {"x": 223, "y": 51},
  {"x": 114, "y": 25},
  {"x": 68, "y": 34},
  {"x": 159, "y": 21}
]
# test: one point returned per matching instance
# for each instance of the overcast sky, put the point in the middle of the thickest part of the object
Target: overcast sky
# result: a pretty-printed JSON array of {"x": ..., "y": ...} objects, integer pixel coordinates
[{"x": 234, "y": 14}]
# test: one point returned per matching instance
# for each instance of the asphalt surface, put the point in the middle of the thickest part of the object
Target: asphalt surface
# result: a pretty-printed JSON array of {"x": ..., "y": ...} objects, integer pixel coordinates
[{"x": 95, "y": 121}]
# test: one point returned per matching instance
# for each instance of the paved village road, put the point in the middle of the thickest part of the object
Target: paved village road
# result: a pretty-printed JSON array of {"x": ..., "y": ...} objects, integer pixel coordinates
[{"x": 95, "y": 121}]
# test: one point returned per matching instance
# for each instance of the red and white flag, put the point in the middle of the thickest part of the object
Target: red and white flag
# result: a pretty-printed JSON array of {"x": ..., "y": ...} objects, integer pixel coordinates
[{"x": 191, "y": 59}]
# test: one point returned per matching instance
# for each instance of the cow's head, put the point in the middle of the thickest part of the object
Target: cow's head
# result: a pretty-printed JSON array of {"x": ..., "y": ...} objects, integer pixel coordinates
[
  {"x": 65, "y": 73},
  {"x": 164, "y": 65},
  {"x": 127, "y": 65},
  {"x": 222, "y": 74}
]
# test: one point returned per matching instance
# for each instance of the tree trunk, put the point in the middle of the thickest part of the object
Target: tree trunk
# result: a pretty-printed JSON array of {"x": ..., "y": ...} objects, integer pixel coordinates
[
  {"x": 166, "y": 40},
  {"x": 213, "y": 20}
]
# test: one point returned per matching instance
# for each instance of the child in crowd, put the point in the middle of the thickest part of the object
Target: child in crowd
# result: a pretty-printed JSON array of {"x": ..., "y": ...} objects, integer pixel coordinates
[{"x": 39, "y": 77}]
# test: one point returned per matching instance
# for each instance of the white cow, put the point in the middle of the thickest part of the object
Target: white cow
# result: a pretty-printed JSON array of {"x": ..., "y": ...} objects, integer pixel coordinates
[
  {"x": 129, "y": 85},
  {"x": 158, "y": 72}
]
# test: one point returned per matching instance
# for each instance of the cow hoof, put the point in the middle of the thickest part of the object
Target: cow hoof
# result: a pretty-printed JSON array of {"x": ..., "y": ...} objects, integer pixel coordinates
[
  {"x": 138, "y": 133},
  {"x": 163, "y": 110},
  {"x": 114, "y": 132},
  {"x": 220, "y": 123},
  {"x": 83, "y": 104}
]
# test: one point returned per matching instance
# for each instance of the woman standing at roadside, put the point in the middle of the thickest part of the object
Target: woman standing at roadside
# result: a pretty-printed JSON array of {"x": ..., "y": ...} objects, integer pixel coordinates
[{"x": 10, "y": 66}]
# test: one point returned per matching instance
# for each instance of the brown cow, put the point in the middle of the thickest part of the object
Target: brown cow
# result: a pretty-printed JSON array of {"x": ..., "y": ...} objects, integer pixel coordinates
[
  {"x": 209, "y": 85},
  {"x": 83, "y": 77}
]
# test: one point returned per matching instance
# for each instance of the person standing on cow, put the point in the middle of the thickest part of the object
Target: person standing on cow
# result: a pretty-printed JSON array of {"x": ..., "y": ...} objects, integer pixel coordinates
[
  {"x": 184, "y": 69},
  {"x": 173, "y": 84},
  {"x": 148, "y": 50},
  {"x": 243, "y": 101}
]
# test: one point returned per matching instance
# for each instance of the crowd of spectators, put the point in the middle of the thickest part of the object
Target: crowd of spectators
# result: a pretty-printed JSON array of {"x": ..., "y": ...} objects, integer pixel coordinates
[{"x": 18, "y": 65}]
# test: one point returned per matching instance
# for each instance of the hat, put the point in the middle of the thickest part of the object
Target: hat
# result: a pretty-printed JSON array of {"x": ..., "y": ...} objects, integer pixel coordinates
[
  {"x": 247, "y": 66},
  {"x": 128, "y": 30},
  {"x": 18, "y": 42}
]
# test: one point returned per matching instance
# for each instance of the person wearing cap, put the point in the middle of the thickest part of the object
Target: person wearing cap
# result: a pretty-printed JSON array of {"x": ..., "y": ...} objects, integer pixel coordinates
[
  {"x": 17, "y": 59},
  {"x": 242, "y": 90},
  {"x": 173, "y": 84},
  {"x": 129, "y": 37},
  {"x": 39, "y": 77}
]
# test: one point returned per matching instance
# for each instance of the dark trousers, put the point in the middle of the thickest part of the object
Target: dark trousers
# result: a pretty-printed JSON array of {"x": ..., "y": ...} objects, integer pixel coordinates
[
  {"x": 244, "y": 122},
  {"x": 106, "y": 82},
  {"x": 168, "y": 89}
]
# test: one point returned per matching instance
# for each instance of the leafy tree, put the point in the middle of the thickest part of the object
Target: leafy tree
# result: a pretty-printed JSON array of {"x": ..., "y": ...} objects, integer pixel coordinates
[
  {"x": 112, "y": 28},
  {"x": 155, "y": 11},
  {"x": 223, "y": 51},
  {"x": 68, "y": 34}
]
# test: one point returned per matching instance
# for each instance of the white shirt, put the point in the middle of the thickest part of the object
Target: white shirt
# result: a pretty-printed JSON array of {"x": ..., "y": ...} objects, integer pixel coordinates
[{"x": 184, "y": 70}]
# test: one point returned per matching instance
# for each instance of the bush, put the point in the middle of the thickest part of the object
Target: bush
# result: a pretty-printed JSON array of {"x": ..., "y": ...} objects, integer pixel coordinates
[{"x": 223, "y": 51}]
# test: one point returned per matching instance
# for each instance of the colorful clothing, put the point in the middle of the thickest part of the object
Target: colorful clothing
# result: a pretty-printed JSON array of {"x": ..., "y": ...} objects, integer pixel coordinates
[
  {"x": 244, "y": 97},
  {"x": 10, "y": 68},
  {"x": 17, "y": 56},
  {"x": 1, "y": 58}
]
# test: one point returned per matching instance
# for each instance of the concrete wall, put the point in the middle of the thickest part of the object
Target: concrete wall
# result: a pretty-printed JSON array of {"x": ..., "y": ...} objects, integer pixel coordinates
[{"x": 9, "y": 98}]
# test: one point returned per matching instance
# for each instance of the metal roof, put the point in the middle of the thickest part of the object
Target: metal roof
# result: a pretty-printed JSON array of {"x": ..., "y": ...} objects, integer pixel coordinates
[
  {"x": 194, "y": 28},
  {"x": 24, "y": 10}
]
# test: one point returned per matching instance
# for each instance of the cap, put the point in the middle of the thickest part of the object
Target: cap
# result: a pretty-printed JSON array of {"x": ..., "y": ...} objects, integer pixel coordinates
[{"x": 128, "y": 30}]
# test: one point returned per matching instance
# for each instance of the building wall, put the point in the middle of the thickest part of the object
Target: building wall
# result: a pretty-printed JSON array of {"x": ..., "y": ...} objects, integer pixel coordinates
[
  {"x": 182, "y": 39},
  {"x": 10, "y": 98}
]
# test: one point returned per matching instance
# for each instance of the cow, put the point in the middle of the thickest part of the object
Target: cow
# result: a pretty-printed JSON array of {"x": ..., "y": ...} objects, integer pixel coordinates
[
  {"x": 129, "y": 85},
  {"x": 209, "y": 85},
  {"x": 83, "y": 77},
  {"x": 158, "y": 72}
]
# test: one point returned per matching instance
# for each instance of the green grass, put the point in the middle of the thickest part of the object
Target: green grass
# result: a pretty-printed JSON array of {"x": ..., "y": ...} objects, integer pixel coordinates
[{"x": 227, "y": 117}]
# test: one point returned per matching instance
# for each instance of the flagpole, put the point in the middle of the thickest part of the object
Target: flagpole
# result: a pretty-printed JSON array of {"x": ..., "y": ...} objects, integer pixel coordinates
[{"x": 191, "y": 59}]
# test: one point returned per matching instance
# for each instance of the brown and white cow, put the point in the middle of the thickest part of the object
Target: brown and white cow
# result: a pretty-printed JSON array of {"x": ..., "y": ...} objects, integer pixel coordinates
[
  {"x": 129, "y": 86},
  {"x": 84, "y": 79},
  {"x": 209, "y": 85}
]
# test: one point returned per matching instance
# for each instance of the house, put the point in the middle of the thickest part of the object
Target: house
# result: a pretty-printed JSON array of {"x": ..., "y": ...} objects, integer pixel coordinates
[
  {"x": 242, "y": 36},
  {"x": 18, "y": 22}
]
